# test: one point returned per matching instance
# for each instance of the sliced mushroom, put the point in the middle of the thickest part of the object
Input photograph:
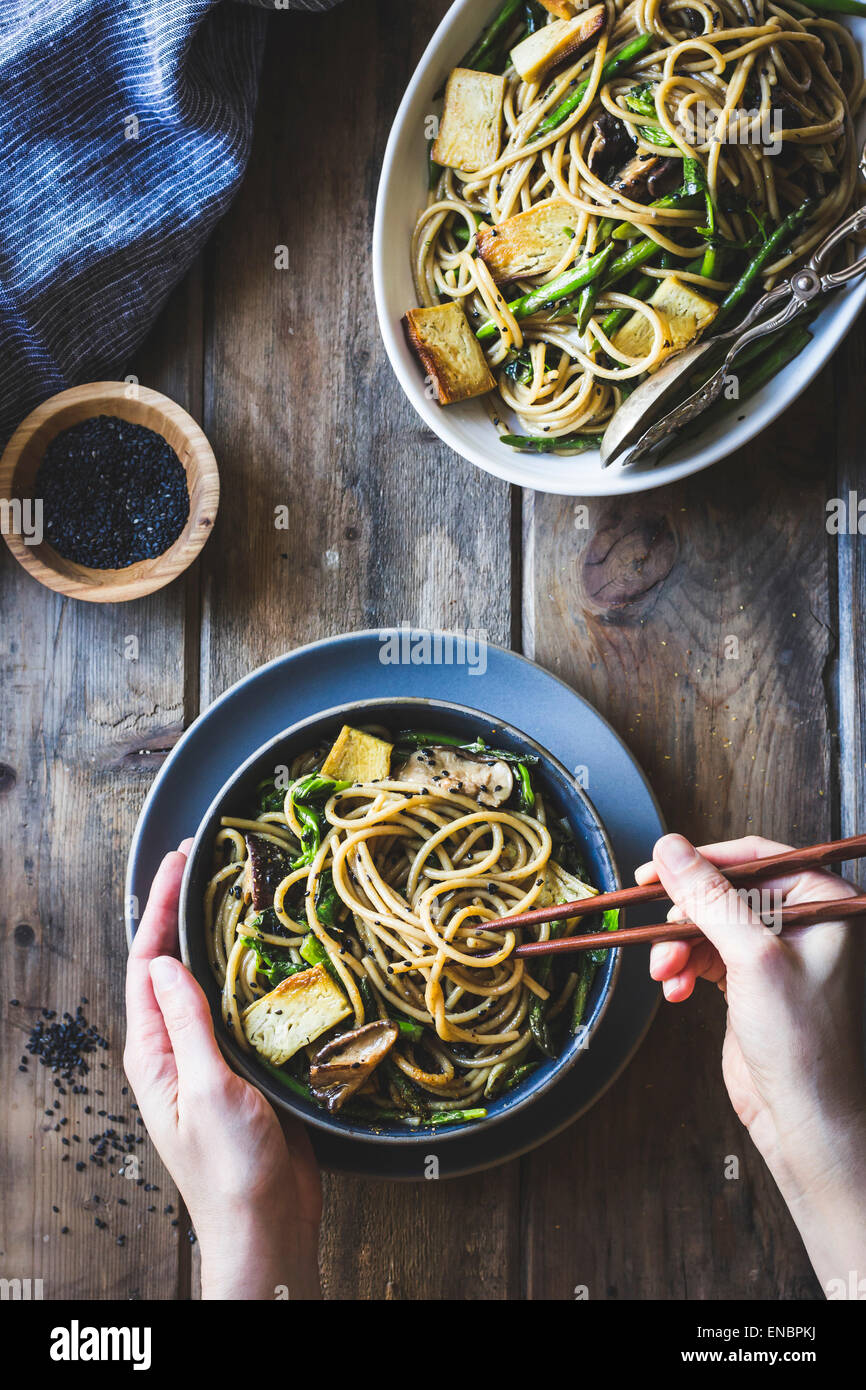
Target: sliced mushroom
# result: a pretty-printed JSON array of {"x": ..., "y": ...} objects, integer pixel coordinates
[
  {"x": 267, "y": 866},
  {"x": 611, "y": 144},
  {"x": 792, "y": 113},
  {"x": 443, "y": 769},
  {"x": 342, "y": 1066},
  {"x": 647, "y": 176}
]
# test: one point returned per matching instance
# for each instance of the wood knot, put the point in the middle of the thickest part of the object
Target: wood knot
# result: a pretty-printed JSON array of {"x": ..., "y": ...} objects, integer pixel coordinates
[{"x": 629, "y": 555}]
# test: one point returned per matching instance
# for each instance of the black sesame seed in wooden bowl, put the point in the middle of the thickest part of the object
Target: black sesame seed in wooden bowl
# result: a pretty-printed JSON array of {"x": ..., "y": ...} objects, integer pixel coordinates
[{"x": 114, "y": 488}]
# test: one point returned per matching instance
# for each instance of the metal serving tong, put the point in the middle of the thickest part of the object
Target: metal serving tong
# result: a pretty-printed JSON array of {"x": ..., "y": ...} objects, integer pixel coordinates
[{"x": 636, "y": 431}]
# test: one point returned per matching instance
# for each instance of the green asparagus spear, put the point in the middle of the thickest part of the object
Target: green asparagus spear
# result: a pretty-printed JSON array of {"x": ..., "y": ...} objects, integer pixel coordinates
[
  {"x": 536, "y": 16},
  {"x": 566, "y": 286},
  {"x": 589, "y": 294},
  {"x": 783, "y": 351},
  {"x": 837, "y": 6},
  {"x": 457, "y": 1117},
  {"x": 482, "y": 55},
  {"x": 614, "y": 65},
  {"x": 563, "y": 287},
  {"x": 585, "y": 978},
  {"x": 538, "y": 1027},
  {"x": 519, "y": 1074},
  {"x": 289, "y": 1081},
  {"x": 409, "y": 1096},
  {"x": 773, "y": 246},
  {"x": 680, "y": 198},
  {"x": 545, "y": 444},
  {"x": 641, "y": 289}
]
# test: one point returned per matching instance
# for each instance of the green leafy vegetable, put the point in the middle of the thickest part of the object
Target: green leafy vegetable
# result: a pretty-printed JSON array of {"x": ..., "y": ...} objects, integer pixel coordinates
[
  {"x": 641, "y": 101},
  {"x": 313, "y": 951},
  {"x": 271, "y": 797},
  {"x": 609, "y": 922},
  {"x": 307, "y": 797},
  {"x": 423, "y": 738},
  {"x": 520, "y": 368},
  {"x": 327, "y": 899},
  {"x": 274, "y": 962},
  {"x": 524, "y": 781}
]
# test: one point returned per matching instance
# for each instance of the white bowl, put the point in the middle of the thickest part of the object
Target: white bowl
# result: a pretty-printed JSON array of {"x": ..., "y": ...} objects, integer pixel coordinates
[{"x": 466, "y": 428}]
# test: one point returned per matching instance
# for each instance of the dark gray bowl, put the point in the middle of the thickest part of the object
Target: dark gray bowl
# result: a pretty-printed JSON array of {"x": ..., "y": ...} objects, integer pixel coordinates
[{"x": 238, "y": 794}]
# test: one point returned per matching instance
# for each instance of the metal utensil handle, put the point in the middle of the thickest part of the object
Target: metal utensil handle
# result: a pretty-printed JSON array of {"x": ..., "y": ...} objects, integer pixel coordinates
[
  {"x": 793, "y": 305},
  {"x": 794, "y": 295},
  {"x": 856, "y": 222}
]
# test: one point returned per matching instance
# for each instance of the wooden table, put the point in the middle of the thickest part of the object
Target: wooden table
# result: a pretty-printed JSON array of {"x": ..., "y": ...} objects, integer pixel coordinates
[{"x": 715, "y": 624}]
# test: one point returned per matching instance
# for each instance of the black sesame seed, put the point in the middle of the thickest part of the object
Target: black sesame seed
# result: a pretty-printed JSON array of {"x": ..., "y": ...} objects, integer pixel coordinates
[{"x": 113, "y": 493}]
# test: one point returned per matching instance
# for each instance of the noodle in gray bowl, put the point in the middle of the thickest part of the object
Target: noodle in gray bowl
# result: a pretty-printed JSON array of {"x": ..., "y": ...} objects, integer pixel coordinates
[{"x": 332, "y": 906}]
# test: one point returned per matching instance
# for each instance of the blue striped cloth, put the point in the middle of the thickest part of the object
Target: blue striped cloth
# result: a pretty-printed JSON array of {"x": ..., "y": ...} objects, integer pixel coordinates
[{"x": 125, "y": 128}]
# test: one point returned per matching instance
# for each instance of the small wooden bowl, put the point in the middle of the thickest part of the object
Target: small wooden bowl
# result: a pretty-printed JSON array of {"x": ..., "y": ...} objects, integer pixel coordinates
[{"x": 141, "y": 406}]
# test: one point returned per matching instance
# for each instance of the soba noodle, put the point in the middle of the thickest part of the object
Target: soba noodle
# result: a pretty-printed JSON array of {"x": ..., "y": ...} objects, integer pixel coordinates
[
  {"x": 415, "y": 870},
  {"x": 747, "y": 63}
]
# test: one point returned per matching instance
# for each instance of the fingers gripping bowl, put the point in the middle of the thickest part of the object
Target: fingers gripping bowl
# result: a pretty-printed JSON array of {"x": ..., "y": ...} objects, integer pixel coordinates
[{"x": 331, "y": 908}]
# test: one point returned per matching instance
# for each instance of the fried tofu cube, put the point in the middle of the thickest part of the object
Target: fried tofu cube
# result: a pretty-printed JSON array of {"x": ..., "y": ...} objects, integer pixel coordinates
[
  {"x": 563, "y": 9},
  {"x": 557, "y": 43},
  {"x": 449, "y": 352},
  {"x": 530, "y": 243},
  {"x": 357, "y": 757},
  {"x": 471, "y": 125},
  {"x": 684, "y": 312},
  {"x": 300, "y": 1009}
]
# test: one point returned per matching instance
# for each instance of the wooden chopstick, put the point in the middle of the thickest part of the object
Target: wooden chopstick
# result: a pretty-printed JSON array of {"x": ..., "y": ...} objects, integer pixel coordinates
[
  {"x": 791, "y": 861},
  {"x": 800, "y": 915}
]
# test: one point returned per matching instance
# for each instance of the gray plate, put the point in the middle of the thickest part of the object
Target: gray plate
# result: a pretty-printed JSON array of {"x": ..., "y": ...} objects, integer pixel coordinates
[{"x": 356, "y": 666}]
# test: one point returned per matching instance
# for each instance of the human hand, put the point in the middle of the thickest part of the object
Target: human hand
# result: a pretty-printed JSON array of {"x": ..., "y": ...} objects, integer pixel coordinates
[
  {"x": 791, "y": 1057},
  {"x": 250, "y": 1183}
]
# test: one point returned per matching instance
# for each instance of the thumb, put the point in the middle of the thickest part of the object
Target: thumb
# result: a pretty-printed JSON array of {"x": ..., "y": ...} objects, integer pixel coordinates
[
  {"x": 188, "y": 1022},
  {"x": 701, "y": 891}
]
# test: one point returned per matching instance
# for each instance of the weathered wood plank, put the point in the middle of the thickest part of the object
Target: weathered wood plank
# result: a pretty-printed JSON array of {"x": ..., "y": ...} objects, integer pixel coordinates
[
  {"x": 91, "y": 693},
  {"x": 849, "y": 550},
  {"x": 698, "y": 619},
  {"x": 384, "y": 526}
]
